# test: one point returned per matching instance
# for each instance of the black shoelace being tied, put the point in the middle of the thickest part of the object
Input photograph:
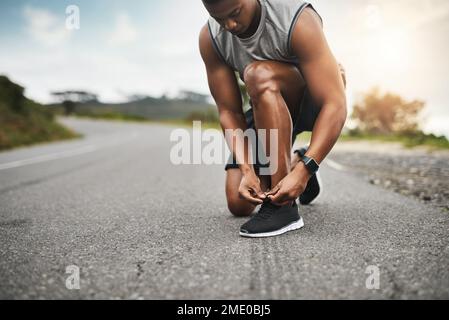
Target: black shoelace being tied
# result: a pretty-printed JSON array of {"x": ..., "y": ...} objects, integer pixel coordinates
[{"x": 266, "y": 211}]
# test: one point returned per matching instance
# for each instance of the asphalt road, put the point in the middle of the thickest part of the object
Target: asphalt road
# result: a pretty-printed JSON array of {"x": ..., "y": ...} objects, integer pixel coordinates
[{"x": 139, "y": 227}]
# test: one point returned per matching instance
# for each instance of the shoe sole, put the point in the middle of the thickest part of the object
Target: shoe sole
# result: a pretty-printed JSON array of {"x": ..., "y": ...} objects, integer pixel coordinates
[{"x": 291, "y": 227}]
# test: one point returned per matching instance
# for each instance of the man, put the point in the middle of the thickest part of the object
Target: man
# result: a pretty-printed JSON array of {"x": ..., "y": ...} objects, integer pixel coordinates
[{"x": 295, "y": 84}]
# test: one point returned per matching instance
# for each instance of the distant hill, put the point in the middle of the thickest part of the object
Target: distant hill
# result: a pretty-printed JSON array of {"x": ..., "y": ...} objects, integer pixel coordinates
[
  {"x": 149, "y": 107},
  {"x": 25, "y": 122}
]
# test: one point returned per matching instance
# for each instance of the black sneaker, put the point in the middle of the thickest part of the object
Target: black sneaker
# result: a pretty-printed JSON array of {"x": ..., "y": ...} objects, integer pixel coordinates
[
  {"x": 313, "y": 188},
  {"x": 272, "y": 220}
]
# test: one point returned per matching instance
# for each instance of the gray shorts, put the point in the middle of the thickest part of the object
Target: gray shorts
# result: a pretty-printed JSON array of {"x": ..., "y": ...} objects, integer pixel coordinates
[{"x": 307, "y": 115}]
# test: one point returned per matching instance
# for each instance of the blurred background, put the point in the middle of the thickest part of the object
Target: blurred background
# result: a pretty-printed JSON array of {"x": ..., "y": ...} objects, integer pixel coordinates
[{"x": 141, "y": 58}]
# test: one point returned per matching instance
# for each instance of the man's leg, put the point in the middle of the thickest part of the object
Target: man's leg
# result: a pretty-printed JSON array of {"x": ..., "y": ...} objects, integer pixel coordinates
[
  {"x": 240, "y": 207},
  {"x": 276, "y": 90}
]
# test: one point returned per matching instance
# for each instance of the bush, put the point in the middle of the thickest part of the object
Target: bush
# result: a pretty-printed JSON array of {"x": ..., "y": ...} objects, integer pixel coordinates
[
  {"x": 23, "y": 121},
  {"x": 11, "y": 95},
  {"x": 387, "y": 114}
]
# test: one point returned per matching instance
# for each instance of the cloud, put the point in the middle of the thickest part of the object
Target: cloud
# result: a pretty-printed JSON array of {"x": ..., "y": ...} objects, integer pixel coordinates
[
  {"x": 124, "y": 32},
  {"x": 45, "y": 27}
]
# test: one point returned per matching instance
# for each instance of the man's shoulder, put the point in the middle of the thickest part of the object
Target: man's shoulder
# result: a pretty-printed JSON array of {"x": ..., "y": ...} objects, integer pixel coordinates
[
  {"x": 208, "y": 50},
  {"x": 285, "y": 6},
  {"x": 282, "y": 13},
  {"x": 208, "y": 32},
  {"x": 284, "y": 3},
  {"x": 215, "y": 28}
]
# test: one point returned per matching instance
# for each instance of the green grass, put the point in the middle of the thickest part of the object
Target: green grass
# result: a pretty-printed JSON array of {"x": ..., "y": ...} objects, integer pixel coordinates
[
  {"x": 111, "y": 116},
  {"x": 189, "y": 123},
  {"x": 304, "y": 138},
  {"x": 31, "y": 126},
  {"x": 409, "y": 140},
  {"x": 24, "y": 122},
  {"x": 131, "y": 118}
]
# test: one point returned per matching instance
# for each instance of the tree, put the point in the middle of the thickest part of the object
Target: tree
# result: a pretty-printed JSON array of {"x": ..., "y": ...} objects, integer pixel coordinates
[
  {"x": 70, "y": 99},
  {"x": 387, "y": 114},
  {"x": 136, "y": 97},
  {"x": 193, "y": 96}
]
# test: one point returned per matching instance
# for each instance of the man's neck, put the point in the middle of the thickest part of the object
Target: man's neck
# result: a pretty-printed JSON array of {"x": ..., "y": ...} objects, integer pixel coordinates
[{"x": 254, "y": 23}]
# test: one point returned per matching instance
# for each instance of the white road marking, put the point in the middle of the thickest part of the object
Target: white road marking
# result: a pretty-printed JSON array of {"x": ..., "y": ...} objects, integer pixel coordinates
[
  {"x": 334, "y": 165},
  {"x": 64, "y": 154},
  {"x": 48, "y": 157}
]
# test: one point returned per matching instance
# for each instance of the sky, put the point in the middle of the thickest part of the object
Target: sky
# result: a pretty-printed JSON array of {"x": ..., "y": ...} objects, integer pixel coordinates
[{"x": 150, "y": 47}]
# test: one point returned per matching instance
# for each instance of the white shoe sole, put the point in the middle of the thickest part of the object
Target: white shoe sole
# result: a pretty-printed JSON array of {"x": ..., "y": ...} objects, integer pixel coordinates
[{"x": 291, "y": 227}]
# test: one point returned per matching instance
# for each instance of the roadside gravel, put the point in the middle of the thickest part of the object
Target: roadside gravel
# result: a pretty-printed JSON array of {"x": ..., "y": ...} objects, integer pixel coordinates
[{"x": 417, "y": 172}]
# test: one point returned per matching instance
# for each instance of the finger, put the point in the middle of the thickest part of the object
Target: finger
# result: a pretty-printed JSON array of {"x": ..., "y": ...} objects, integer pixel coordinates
[
  {"x": 247, "y": 196},
  {"x": 258, "y": 193},
  {"x": 273, "y": 191},
  {"x": 261, "y": 195},
  {"x": 279, "y": 197}
]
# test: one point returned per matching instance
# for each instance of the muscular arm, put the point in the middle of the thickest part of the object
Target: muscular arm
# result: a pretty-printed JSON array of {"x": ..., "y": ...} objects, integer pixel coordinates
[
  {"x": 324, "y": 81},
  {"x": 226, "y": 93}
]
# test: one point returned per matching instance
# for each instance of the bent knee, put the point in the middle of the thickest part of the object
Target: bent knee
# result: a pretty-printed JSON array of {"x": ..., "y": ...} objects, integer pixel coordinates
[
  {"x": 239, "y": 207},
  {"x": 260, "y": 77}
]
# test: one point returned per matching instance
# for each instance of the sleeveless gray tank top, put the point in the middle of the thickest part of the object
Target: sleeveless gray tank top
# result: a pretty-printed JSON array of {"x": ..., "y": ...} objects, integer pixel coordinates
[{"x": 271, "y": 41}]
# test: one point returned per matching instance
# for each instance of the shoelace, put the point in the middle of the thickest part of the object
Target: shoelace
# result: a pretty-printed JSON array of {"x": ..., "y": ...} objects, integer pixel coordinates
[{"x": 266, "y": 211}]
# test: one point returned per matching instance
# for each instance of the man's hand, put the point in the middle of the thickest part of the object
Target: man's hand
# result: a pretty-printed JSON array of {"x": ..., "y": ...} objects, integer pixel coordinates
[
  {"x": 291, "y": 187},
  {"x": 250, "y": 189}
]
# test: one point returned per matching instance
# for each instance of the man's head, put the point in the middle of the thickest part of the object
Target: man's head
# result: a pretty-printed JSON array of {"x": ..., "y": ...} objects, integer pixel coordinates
[{"x": 233, "y": 15}]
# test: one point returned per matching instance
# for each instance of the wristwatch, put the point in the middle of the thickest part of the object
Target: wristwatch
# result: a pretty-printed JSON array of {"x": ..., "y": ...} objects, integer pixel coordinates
[{"x": 310, "y": 164}]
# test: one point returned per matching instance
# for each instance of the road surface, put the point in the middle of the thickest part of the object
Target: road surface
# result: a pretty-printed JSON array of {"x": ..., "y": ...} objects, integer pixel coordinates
[{"x": 138, "y": 227}]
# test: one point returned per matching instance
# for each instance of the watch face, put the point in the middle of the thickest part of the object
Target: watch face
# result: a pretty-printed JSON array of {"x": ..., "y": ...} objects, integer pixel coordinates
[{"x": 311, "y": 165}]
